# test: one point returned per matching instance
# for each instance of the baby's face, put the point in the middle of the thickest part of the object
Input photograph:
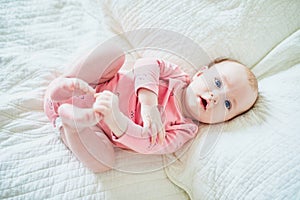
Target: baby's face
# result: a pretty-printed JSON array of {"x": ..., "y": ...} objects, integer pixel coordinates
[{"x": 220, "y": 93}]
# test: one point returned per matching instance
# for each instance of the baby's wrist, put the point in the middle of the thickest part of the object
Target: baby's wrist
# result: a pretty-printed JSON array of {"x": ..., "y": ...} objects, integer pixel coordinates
[
  {"x": 120, "y": 125},
  {"x": 147, "y": 97}
]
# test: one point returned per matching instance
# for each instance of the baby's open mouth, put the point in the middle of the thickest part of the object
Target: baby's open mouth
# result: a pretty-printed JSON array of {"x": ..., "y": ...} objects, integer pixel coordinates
[{"x": 204, "y": 102}]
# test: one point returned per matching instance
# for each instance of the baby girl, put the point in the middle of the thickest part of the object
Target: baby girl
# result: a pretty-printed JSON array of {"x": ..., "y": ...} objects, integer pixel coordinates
[{"x": 152, "y": 109}]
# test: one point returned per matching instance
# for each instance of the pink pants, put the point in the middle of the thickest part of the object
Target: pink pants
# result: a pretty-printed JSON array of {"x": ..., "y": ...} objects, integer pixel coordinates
[{"x": 91, "y": 146}]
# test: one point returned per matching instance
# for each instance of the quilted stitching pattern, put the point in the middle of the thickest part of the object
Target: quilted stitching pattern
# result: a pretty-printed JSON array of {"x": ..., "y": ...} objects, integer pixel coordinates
[{"x": 38, "y": 38}]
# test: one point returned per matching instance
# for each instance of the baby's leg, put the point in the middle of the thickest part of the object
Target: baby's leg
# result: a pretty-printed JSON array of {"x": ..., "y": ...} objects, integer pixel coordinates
[
  {"x": 99, "y": 65},
  {"x": 76, "y": 117},
  {"x": 94, "y": 150},
  {"x": 62, "y": 88}
]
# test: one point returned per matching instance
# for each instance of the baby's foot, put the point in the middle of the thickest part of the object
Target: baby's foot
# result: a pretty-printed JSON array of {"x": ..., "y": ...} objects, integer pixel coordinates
[
  {"x": 77, "y": 118},
  {"x": 65, "y": 88}
]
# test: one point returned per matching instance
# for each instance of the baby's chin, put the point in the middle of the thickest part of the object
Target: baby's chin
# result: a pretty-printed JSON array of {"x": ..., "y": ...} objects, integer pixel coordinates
[{"x": 213, "y": 120}]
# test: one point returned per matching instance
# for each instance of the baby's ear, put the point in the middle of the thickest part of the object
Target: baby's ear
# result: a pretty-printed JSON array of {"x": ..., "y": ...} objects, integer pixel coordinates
[{"x": 202, "y": 69}]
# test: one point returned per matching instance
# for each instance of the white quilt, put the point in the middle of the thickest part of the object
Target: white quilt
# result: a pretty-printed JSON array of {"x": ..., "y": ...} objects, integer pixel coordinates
[
  {"x": 254, "y": 156},
  {"x": 37, "y": 38}
]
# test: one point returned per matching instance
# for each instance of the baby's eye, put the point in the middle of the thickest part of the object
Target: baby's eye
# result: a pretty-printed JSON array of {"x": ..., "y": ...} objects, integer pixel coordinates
[
  {"x": 218, "y": 83},
  {"x": 227, "y": 104}
]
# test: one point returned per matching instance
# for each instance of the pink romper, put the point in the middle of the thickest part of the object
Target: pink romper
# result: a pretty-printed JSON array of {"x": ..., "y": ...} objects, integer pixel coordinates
[{"x": 164, "y": 79}]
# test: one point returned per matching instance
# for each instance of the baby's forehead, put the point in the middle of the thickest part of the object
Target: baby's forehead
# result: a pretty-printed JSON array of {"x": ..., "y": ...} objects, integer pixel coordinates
[
  {"x": 230, "y": 73},
  {"x": 226, "y": 68}
]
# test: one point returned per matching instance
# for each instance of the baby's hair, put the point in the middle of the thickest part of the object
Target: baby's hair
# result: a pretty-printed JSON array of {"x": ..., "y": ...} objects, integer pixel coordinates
[{"x": 251, "y": 77}]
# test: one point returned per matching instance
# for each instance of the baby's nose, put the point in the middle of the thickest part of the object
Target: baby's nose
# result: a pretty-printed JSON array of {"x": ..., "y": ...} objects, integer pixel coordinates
[{"x": 213, "y": 97}]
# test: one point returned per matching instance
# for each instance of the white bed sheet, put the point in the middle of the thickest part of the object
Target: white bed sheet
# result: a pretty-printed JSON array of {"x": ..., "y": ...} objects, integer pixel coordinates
[{"x": 37, "y": 39}]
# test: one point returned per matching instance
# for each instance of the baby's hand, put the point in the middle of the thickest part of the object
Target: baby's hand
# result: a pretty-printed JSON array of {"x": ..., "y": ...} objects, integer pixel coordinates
[
  {"x": 152, "y": 120},
  {"x": 107, "y": 103},
  {"x": 107, "y": 106}
]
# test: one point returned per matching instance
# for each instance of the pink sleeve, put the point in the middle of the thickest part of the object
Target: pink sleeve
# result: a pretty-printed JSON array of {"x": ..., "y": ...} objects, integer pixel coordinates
[
  {"x": 148, "y": 71},
  {"x": 177, "y": 135}
]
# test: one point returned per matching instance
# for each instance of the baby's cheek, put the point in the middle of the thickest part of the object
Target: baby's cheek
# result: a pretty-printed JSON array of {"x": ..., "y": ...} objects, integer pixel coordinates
[{"x": 217, "y": 114}]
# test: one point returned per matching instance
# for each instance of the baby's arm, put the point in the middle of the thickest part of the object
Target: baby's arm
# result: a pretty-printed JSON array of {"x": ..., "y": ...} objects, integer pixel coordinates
[
  {"x": 176, "y": 136},
  {"x": 107, "y": 108},
  {"x": 134, "y": 136},
  {"x": 147, "y": 73},
  {"x": 150, "y": 114},
  {"x": 147, "y": 97}
]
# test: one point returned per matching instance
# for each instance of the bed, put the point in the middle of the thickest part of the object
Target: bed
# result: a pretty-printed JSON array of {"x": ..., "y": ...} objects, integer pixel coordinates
[{"x": 254, "y": 156}]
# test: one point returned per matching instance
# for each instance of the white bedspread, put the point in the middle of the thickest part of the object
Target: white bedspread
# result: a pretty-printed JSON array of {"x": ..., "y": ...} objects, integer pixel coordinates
[
  {"x": 37, "y": 38},
  {"x": 254, "y": 156}
]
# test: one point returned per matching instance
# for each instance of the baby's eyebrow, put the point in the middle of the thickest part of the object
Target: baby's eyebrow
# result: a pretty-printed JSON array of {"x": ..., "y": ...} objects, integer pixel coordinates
[
  {"x": 232, "y": 100},
  {"x": 234, "y": 103},
  {"x": 225, "y": 80}
]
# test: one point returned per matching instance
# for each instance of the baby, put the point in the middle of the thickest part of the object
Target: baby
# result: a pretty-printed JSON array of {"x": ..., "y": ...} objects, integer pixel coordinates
[{"x": 152, "y": 109}]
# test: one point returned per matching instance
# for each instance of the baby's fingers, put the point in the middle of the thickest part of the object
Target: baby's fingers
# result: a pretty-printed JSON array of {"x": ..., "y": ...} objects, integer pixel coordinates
[
  {"x": 101, "y": 109},
  {"x": 146, "y": 124},
  {"x": 98, "y": 116},
  {"x": 90, "y": 90},
  {"x": 154, "y": 133},
  {"x": 86, "y": 87},
  {"x": 161, "y": 135}
]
